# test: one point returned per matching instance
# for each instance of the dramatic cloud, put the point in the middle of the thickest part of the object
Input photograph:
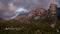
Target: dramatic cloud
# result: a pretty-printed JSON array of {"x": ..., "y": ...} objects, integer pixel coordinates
[{"x": 12, "y": 8}]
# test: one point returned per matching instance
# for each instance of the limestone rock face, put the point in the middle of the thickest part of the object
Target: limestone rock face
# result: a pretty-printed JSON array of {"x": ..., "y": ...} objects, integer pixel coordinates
[
  {"x": 20, "y": 17},
  {"x": 52, "y": 11},
  {"x": 38, "y": 14}
]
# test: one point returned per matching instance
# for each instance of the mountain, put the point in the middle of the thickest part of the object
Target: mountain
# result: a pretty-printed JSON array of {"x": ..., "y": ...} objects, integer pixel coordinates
[
  {"x": 22, "y": 17},
  {"x": 25, "y": 16}
]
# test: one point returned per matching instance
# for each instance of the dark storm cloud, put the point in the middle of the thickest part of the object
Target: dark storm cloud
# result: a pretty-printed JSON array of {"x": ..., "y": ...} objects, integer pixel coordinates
[
  {"x": 5, "y": 2},
  {"x": 57, "y": 2}
]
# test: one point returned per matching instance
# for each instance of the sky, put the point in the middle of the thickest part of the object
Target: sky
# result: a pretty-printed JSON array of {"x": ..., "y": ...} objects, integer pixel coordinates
[{"x": 9, "y": 8}]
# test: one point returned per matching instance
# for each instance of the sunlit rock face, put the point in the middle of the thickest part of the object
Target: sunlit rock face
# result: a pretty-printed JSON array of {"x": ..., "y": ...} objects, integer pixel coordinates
[{"x": 12, "y": 8}]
